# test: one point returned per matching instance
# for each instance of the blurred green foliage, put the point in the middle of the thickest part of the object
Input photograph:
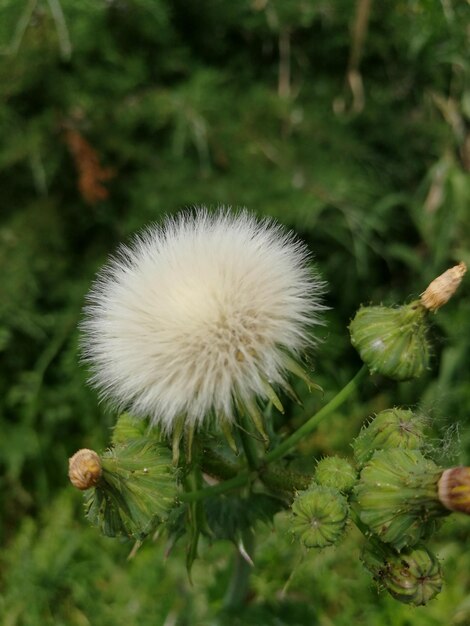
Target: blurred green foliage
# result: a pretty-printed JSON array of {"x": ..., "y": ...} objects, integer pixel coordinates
[{"x": 116, "y": 112}]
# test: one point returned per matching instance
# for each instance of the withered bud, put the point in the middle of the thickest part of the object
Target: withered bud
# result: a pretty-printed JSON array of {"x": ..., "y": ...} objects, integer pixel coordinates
[
  {"x": 85, "y": 469},
  {"x": 443, "y": 287},
  {"x": 454, "y": 489}
]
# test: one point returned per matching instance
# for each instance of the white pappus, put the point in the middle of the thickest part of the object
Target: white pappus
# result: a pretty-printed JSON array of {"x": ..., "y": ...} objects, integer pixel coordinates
[{"x": 197, "y": 315}]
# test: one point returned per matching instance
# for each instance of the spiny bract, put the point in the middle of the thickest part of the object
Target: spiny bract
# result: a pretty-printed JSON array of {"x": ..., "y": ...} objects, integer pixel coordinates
[{"x": 199, "y": 315}]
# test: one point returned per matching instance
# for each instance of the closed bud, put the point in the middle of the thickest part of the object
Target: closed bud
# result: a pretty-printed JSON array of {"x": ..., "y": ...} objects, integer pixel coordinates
[
  {"x": 393, "y": 428},
  {"x": 85, "y": 469},
  {"x": 398, "y": 498},
  {"x": 412, "y": 576},
  {"x": 454, "y": 489},
  {"x": 443, "y": 287},
  {"x": 319, "y": 516},
  {"x": 136, "y": 491},
  {"x": 337, "y": 473},
  {"x": 392, "y": 341}
]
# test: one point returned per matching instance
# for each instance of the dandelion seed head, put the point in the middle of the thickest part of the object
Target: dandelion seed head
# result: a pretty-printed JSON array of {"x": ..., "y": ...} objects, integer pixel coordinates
[{"x": 197, "y": 314}]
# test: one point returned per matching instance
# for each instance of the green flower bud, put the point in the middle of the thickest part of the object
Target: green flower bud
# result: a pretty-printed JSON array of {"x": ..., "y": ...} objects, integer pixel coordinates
[
  {"x": 412, "y": 576},
  {"x": 336, "y": 473},
  {"x": 319, "y": 516},
  {"x": 128, "y": 427},
  {"x": 393, "y": 428},
  {"x": 398, "y": 496},
  {"x": 136, "y": 490},
  {"x": 392, "y": 341}
]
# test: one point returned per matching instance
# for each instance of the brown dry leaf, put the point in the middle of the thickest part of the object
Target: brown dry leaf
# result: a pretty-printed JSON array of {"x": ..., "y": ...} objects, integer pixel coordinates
[{"x": 91, "y": 174}]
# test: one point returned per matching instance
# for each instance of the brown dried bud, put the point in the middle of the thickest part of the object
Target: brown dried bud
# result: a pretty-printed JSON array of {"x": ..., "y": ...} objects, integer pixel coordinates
[
  {"x": 443, "y": 287},
  {"x": 85, "y": 469},
  {"x": 454, "y": 489}
]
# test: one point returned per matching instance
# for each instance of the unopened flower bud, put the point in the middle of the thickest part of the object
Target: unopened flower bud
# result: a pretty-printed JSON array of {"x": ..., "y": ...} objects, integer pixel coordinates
[
  {"x": 392, "y": 428},
  {"x": 136, "y": 491},
  {"x": 454, "y": 489},
  {"x": 335, "y": 472},
  {"x": 319, "y": 516},
  {"x": 412, "y": 576},
  {"x": 397, "y": 496},
  {"x": 443, "y": 287},
  {"x": 85, "y": 469},
  {"x": 392, "y": 341}
]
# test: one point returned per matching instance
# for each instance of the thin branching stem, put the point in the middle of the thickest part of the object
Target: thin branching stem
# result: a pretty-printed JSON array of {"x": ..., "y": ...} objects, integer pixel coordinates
[
  {"x": 311, "y": 424},
  {"x": 279, "y": 451}
]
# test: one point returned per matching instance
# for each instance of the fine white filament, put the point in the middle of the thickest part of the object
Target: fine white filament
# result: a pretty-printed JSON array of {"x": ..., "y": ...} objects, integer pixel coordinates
[{"x": 198, "y": 314}]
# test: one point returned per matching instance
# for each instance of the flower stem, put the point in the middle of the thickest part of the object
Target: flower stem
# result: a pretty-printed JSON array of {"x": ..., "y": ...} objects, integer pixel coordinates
[
  {"x": 245, "y": 476},
  {"x": 315, "y": 420},
  {"x": 208, "y": 492},
  {"x": 248, "y": 443}
]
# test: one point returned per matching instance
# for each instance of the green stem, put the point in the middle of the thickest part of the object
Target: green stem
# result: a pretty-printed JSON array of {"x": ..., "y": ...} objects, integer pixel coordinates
[
  {"x": 278, "y": 452},
  {"x": 217, "y": 465},
  {"x": 283, "y": 480},
  {"x": 315, "y": 420},
  {"x": 248, "y": 443},
  {"x": 209, "y": 492},
  {"x": 237, "y": 590}
]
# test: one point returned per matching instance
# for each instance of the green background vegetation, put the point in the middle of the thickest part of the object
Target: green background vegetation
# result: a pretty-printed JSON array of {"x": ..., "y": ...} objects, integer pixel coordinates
[{"x": 348, "y": 121}]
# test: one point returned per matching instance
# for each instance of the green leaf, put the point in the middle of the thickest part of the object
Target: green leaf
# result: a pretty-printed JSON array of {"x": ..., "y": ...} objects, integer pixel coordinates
[{"x": 227, "y": 516}]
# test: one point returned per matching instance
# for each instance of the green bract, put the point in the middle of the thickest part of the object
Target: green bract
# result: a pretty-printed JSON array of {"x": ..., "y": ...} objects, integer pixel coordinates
[
  {"x": 136, "y": 491},
  {"x": 319, "y": 516},
  {"x": 413, "y": 576},
  {"x": 393, "y": 428},
  {"x": 335, "y": 472},
  {"x": 397, "y": 496},
  {"x": 128, "y": 427},
  {"x": 392, "y": 341}
]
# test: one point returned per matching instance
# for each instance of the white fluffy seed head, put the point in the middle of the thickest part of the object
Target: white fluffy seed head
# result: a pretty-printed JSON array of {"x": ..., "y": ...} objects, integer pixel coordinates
[{"x": 198, "y": 314}]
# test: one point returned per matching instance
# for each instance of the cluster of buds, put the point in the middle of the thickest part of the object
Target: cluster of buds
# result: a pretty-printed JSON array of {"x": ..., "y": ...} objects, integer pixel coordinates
[
  {"x": 319, "y": 514},
  {"x": 397, "y": 497},
  {"x": 400, "y": 498},
  {"x": 401, "y": 495}
]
